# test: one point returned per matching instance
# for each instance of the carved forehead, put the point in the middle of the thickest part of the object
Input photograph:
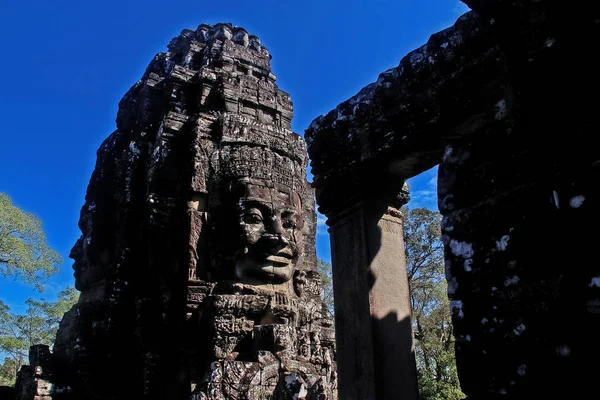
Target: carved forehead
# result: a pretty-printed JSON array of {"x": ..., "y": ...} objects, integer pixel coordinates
[{"x": 270, "y": 195}]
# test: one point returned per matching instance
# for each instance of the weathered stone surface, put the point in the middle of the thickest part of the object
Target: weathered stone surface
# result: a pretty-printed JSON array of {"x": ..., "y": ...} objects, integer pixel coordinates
[
  {"x": 500, "y": 102},
  {"x": 396, "y": 127},
  {"x": 515, "y": 208},
  {"x": 197, "y": 263},
  {"x": 34, "y": 380},
  {"x": 373, "y": 327}
]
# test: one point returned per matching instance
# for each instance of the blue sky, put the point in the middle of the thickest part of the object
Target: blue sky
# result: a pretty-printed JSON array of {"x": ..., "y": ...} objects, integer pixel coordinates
[{"x": 67, "y": 63}]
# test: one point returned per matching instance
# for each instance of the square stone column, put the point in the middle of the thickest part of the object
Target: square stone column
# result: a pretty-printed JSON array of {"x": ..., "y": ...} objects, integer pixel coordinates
[{"x": 375, "y": 352}]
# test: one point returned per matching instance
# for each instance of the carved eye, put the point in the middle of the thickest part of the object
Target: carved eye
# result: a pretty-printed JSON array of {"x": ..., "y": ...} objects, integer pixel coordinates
[
  {"x": 288, "y": 224},
  {"x": 253, "y": 218}
]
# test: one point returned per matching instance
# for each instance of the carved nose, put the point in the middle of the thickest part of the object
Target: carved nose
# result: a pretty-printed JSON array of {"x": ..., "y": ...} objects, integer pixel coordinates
[
  {"x": 277, "y": 227},
  {"x": 274, "y": 238},
  {"x": 75, "y": 249},
  {"x": 274, "y": 242}
]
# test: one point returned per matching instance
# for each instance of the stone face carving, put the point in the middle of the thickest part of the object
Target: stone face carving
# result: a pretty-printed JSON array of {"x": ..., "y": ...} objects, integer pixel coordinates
[
  {"x": 272, "y": 230},
  {"x": 257, "y": 231},
  {"x": 197, "y": 261}
]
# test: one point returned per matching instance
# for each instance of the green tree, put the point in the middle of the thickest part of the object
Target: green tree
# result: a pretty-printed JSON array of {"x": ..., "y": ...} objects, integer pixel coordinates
[
  {"x": 23, "y": 250},
  {"x": 37, "y": 326},
  {"x": 324, "y": 269},
  {"x": 434, "y": 341}
]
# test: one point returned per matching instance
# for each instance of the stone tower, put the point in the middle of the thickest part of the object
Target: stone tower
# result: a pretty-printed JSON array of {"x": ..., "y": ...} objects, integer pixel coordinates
[{"x": 197, "y": 262}]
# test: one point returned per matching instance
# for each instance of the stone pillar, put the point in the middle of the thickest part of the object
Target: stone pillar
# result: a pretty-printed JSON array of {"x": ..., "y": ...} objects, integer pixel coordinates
[
  {"x": 372, "y": 308},
  {"x": 354, "y": 331}
]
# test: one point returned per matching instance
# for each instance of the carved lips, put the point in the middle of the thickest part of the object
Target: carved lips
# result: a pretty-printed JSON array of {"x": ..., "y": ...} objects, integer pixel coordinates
[{"x": 284, "y": 257}]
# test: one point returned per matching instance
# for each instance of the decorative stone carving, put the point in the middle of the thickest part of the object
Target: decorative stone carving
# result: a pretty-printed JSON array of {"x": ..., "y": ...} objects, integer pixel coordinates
[{"x": 197, "y": 261}]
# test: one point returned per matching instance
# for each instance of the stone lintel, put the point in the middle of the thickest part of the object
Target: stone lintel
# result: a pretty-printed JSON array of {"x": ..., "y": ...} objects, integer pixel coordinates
[
  {"x": 479, "y": 75},
  {"x": 453, "y": 86},
  {"x": 374, "y": 186}
]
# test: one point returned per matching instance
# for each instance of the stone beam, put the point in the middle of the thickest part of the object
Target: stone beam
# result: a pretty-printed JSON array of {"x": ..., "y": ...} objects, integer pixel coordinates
[
  {"x": 471, "y": 77},
  {"x": 396, "y": 127}
]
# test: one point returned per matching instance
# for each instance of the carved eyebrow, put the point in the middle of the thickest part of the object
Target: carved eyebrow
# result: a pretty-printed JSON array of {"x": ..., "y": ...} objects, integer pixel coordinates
[
  {"x": 253, "y": 201},
  {"x": 263, "y": 206}
]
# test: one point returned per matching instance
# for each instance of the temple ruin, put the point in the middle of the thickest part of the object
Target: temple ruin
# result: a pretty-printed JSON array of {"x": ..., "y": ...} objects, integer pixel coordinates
[{"x": 197, "y": 261}]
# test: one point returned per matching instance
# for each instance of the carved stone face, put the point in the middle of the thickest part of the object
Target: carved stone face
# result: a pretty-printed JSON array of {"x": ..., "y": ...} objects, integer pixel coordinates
[
  {"x": 77, "y": 254},
  {"x": 87, "y": 270},
  {"x": 271, "y": 222},
  {"x": 85, "y": 274}
]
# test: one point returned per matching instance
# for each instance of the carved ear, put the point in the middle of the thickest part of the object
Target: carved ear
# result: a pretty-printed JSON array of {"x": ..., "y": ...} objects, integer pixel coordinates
[{"x": 297, "y": 198}]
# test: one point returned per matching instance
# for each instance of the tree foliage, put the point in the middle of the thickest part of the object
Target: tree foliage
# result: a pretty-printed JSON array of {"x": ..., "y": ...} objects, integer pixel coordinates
[
  {"x": 37, "y": 326},
  {"x": 434, "y": 341},
  {"x": 324, "y": 269},
  {"x": 24, "y": 252}
]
